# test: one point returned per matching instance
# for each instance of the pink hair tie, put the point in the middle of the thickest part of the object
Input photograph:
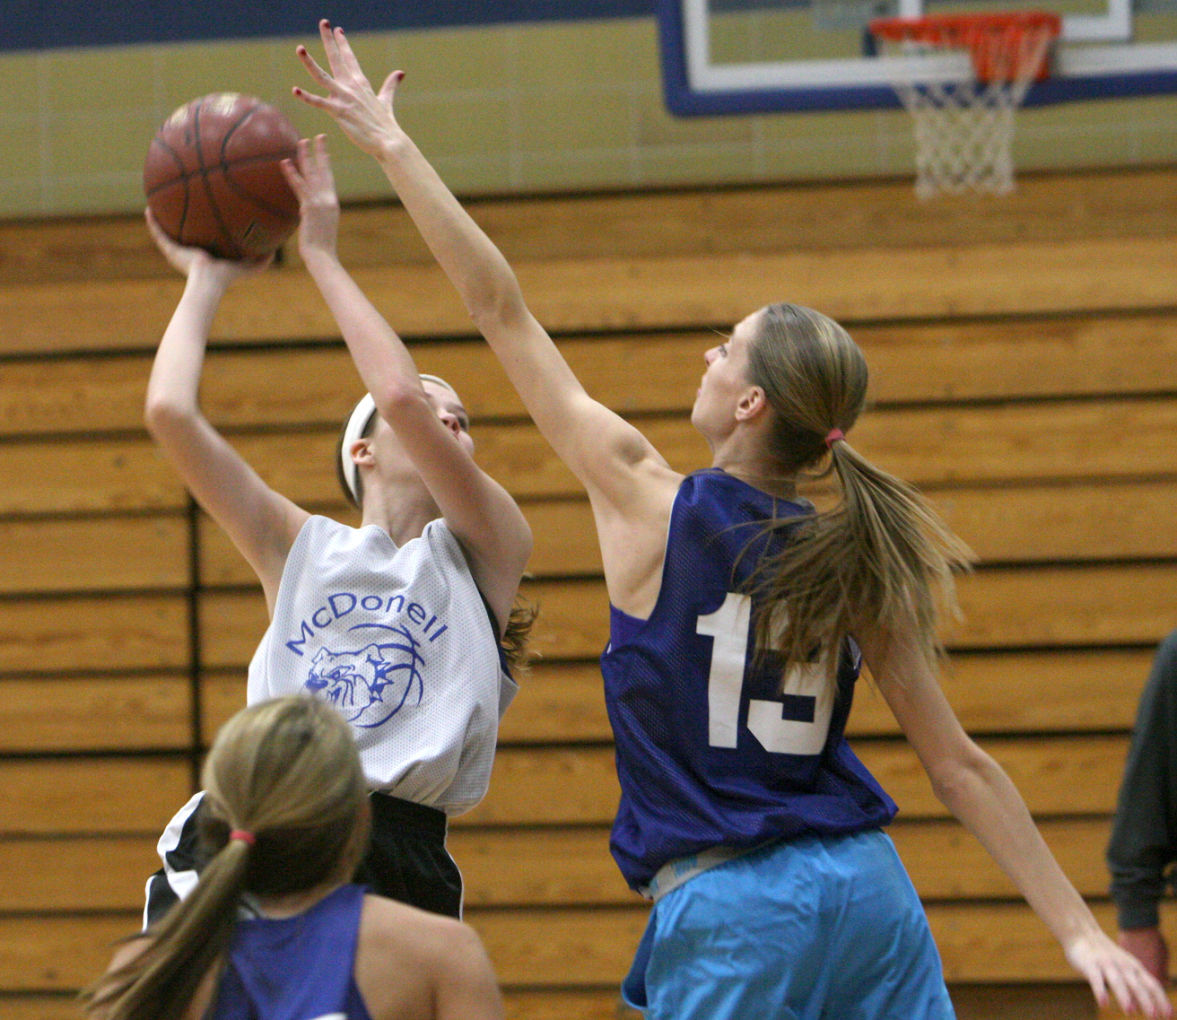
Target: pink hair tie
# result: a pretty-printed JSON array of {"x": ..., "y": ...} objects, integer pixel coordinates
[
  {"x": 245, "y": 836},
  {"x": 833, "y": 436}
]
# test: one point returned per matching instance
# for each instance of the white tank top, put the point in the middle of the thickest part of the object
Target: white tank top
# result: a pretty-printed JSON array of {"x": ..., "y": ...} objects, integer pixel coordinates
[{"x": 400, "y": 641}]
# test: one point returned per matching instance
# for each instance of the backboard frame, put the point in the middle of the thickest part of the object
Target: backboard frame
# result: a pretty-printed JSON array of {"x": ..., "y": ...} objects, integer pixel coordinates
[{"x": 1096, "y": 59}]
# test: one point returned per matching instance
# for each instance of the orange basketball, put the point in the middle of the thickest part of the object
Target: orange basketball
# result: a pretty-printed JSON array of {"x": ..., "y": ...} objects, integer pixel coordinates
[{"x": 213, "y": 177}]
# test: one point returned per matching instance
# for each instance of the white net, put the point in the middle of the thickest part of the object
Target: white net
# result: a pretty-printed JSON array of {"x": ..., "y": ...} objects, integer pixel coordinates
[{"x": 964, "y": 120}]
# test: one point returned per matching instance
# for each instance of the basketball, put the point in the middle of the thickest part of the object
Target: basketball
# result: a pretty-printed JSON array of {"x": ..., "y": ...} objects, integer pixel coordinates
[{"x": 213, "y": 177}]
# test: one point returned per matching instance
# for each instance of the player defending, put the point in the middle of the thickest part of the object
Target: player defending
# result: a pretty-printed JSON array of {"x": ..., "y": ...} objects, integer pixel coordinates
[{"x": 739, "y": 616}]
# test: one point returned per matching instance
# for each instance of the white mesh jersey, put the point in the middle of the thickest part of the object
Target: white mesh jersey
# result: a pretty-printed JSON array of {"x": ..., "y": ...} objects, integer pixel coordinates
[{"x": 400, "y": 641}]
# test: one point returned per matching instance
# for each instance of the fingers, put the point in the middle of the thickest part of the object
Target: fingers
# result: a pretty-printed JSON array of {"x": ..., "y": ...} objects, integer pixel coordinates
[
  {"x": 310, "y": 166},
  {"x": 292, "y": 168},
  {"x": 293, "y": 178},
  {"x": 318, "y": 75},
  {"x": 388, "y": 89},
  {"x": 327, "y": 36},
  {"x": 1115, "y": 974},
  {"x": 162, "y": 241},
  {"x": 322, "y": 159},
  {"x": 152, "y": 223},
  {"x": 1134, "y": 989},
  {"x": 340, "y": 56},
  {"x": 318, "y": 102},
  {"x": 312, "y": 66}
]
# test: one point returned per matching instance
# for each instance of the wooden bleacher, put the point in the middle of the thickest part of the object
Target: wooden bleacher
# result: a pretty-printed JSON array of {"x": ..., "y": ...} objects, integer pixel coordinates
[{"x": 1024, "y": 361}]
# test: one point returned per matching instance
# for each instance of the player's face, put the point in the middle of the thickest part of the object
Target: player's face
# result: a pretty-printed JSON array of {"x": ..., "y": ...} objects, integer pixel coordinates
[
  {"x": 451, "y": 412},
  {"x": 725, "y": 379},
  {"x": 393, "y": 457}
]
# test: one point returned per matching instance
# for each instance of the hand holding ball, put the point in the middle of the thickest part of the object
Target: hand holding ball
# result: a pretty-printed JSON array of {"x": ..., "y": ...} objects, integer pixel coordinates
[{"x": 213, "y": 176}]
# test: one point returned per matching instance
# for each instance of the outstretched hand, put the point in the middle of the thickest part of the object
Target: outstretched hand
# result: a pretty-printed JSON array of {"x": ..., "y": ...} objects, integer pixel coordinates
[
  {"x": 365, "y": 116},
  {"x": 1114, "y": 973},
  {"x": 185, "y": 259},
  {"x": 310, "y": 178}
]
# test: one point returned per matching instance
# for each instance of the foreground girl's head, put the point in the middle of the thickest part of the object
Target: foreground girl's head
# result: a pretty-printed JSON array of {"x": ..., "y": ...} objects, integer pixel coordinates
[
  {"x": 285, "y": 811},
  {"x": 286, "y": 773}
]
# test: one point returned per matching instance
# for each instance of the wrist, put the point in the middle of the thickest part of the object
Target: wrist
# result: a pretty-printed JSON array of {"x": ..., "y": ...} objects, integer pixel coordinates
[
  {"x": 393, "y": 148},
  {"x": 314, "y": 257},
  {"x": 206, "y": 279}
]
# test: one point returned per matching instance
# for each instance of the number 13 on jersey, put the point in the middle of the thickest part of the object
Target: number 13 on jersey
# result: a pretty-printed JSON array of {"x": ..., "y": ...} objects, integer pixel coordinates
[{"x": 729, "y": 628}]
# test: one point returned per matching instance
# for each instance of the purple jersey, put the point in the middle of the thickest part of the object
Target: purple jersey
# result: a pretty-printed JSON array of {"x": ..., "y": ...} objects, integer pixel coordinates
[
  {"x": 710, "y": 751},
  {"x": 295, "y": 968}
]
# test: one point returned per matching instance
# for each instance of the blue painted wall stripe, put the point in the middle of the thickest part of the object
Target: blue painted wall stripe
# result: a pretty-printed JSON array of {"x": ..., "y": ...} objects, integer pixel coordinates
[{"x": 60, "y": 24}]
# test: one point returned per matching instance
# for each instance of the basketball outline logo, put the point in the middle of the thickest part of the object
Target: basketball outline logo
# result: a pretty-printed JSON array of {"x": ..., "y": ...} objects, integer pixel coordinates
[{"x": 355, "y": 681}]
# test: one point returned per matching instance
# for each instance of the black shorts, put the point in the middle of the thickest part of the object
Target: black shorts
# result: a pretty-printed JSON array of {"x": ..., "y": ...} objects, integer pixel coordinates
[{"x": 407, "y": 860}]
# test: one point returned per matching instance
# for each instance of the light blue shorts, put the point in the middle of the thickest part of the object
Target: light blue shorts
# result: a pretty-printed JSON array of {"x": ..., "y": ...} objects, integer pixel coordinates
[{"x": 815, "y": 928}]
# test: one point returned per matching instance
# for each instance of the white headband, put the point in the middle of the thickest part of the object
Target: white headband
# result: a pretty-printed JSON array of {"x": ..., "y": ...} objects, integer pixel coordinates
[
  {"x": 426, "y": 377},
  {"x": 357, "y": 424}
]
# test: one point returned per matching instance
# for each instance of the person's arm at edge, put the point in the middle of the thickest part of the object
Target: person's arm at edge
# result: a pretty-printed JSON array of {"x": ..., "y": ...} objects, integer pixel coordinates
[{"x": 1141, "y": 846}]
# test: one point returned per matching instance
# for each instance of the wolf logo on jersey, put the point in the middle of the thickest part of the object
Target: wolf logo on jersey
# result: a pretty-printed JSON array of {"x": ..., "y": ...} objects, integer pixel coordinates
[{"x": 371, "y": 684}]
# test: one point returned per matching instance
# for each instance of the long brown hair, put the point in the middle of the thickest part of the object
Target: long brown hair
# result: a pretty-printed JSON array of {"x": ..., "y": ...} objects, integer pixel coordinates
[
  {"x": 880, "y": 557},
  {"x": 284, "y": 778}
]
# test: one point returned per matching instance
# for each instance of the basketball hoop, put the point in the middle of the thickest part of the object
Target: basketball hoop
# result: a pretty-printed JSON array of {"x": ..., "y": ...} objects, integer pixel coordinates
[{"x": 963, "y": 110}]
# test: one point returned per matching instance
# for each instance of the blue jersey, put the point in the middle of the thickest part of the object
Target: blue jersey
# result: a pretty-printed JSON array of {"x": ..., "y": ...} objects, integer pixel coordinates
[
  {"x": 710, "y": 750},
  {"x": 295, "y": 968}
]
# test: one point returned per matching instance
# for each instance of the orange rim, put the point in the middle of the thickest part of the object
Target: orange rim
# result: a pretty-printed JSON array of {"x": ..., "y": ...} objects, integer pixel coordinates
[{"x": 1002, "y": 45}]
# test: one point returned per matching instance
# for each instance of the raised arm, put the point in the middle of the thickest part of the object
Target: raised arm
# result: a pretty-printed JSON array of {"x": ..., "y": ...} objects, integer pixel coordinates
[
  {"x": 478, "y": 509},
  {"x": 261, "y": 523},
  {"x": 610, "y": 458},
  {"x": 981, "y": 795}
]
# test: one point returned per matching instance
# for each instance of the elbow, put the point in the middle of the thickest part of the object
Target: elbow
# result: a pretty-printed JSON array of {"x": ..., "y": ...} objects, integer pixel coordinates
[
  {"x": 495, "y": 302},
  {"x": 400, "y": 399},
  {"x": 956, "y": 779},
  {"x": 163, "y": 415},
  {"x": 156, "y": 413},
  {"x": 526, "y": 546}
]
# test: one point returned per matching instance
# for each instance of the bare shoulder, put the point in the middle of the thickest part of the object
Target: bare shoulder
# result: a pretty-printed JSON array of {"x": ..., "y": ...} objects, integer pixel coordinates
[
  {"x": 390, "y": 923},
  {"x": 441, "y": 970},
  {"x": 631, "y": 530}
]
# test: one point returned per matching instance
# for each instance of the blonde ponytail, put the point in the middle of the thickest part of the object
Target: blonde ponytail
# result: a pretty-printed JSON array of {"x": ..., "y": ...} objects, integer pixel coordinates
[
  {"x": 880, "y": 560},
  {"x": 284, "y": 810}
]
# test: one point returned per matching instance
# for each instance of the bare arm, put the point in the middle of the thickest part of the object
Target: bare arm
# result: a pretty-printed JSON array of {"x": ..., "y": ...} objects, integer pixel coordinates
[
  {"x": 480, "y": 512},
  {"x": 466, "y": 981},
  {"x": 980, "y": 794},
  {"x": 261, "y": 523},
  {"x": 610, "y": 458}
]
